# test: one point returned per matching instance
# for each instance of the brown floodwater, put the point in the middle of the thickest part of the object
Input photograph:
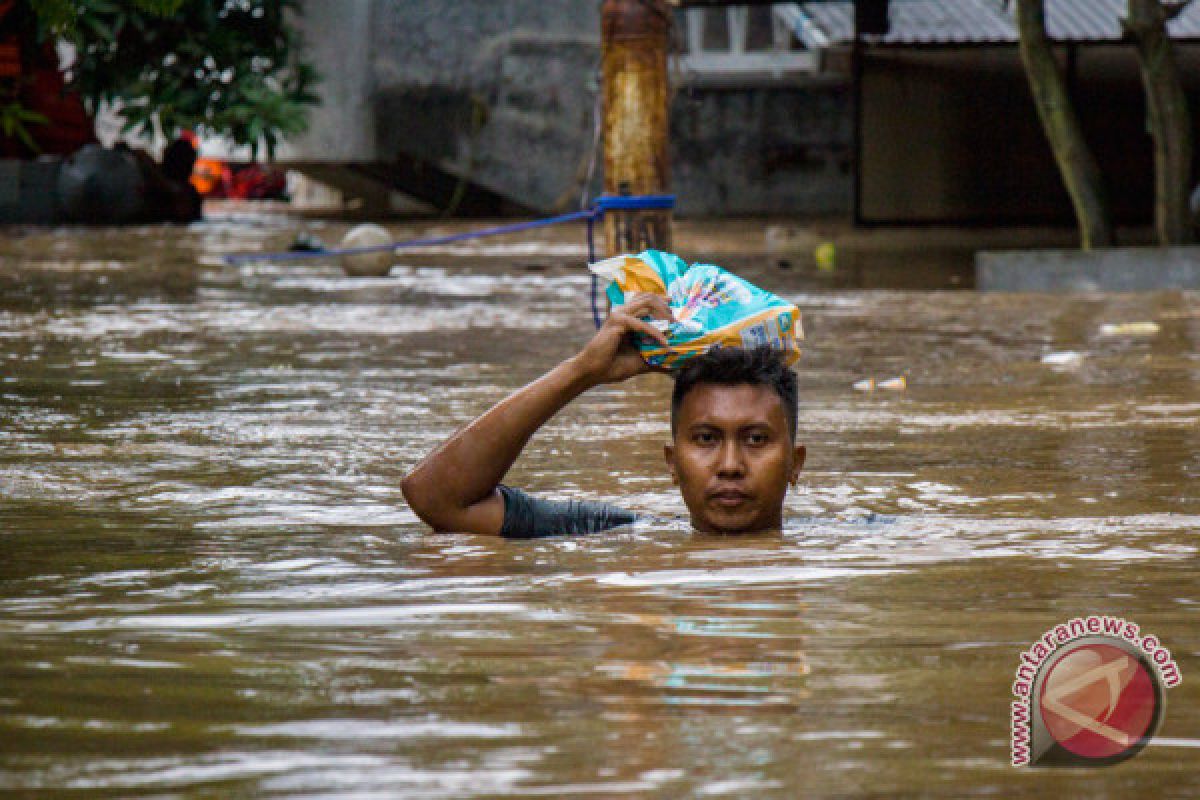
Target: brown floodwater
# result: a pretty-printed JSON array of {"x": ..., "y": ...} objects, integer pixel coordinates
[{"x": 210, "y": 585}]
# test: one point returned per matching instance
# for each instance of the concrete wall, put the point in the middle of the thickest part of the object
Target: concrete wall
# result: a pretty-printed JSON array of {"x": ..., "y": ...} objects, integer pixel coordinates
[
  {"x": 337, "y": 38},
  {"x": 498, "y": 91},
  {"x": 784, "y": 150},
  {"x": 1118, "y": 269}
]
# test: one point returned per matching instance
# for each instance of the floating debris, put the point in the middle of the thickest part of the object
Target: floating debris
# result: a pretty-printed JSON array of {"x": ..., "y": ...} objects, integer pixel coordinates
[
  {"x": 1129, "y": 329},
  {"x": 374, "y": 264},
  {"x": 826, "y": 256},
  {"x": 897, "y": 384},
  {"x": 306, "y": 242},
  {"x": 1064, "y": 358}
]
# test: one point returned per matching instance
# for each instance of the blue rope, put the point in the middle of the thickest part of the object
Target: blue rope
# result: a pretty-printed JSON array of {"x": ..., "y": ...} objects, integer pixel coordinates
[
  {"x": 292, "y": 255},
  {"x": 608, "y": 202}
]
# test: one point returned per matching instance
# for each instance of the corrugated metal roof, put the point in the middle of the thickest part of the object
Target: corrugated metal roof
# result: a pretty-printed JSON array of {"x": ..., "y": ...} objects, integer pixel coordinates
[
  {"x": 918, "y": 22},
  {"x": 921, "y": 21},
  {"x": 1100, "y": 20}
]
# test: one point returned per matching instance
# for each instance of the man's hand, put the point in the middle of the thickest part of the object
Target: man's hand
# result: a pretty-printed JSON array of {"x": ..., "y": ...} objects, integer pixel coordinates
[{"x": 611, "y": 356}]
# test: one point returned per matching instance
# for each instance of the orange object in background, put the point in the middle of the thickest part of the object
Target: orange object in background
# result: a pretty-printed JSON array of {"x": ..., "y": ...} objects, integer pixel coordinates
[{"x": 212, "y": 177}]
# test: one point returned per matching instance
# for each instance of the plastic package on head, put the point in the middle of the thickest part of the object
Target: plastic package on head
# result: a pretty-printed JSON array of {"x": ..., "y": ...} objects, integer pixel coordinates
[{"x": 712, "y": 307}]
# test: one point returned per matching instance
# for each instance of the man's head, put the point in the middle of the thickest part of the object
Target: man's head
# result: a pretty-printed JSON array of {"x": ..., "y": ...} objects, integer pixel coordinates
[{"x": 733, "y": 429}]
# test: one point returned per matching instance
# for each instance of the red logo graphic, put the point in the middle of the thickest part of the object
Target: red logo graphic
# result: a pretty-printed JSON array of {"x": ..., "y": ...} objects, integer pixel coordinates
[
  {"x": 1089, "y": 692},
  {"x": 1099, "y": 702}
]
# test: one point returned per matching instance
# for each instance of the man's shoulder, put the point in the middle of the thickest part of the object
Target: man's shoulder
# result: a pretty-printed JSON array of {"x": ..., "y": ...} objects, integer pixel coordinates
[{"x": 530, "y": 517}]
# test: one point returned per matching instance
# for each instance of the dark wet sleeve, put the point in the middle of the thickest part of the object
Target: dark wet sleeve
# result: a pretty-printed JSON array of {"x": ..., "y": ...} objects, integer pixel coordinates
[{"x": 527, "y": 517}]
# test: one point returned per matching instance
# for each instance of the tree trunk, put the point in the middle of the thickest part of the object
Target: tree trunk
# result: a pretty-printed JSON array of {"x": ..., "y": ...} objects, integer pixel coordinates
[
  {"x": 1167, "y": 113},
  {"x": 1080, "y": 172}
]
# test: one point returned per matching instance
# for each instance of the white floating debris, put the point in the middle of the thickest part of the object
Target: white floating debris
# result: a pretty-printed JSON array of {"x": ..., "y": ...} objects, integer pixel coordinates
[
  {"x": 1129, "y": 329},
  {"x": 1064, "y": 358},
  {"x": 897, "y": 384},
  {"x": 372, "y": 264}
]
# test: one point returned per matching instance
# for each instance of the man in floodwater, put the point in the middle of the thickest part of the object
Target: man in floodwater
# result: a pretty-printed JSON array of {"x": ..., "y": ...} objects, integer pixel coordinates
[{"x": 733, "y": 451}]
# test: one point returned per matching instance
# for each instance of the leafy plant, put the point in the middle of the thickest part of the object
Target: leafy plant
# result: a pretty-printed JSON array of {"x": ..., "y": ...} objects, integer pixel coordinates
[
  {"x": 220, "y": 67},
  {"x": 14, "y": 122},
  {"x": 62, "y": 15}
]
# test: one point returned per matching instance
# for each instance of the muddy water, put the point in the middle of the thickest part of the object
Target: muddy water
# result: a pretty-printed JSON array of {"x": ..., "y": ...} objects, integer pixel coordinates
[{"x": 210, "y": 584}]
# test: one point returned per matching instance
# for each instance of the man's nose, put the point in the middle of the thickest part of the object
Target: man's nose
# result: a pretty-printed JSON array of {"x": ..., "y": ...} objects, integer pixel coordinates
[{"x": 730, "y": 462}]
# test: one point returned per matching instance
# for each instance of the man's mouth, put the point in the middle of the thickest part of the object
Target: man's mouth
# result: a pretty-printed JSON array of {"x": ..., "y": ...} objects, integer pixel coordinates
[{"x": 729, "y": 498}]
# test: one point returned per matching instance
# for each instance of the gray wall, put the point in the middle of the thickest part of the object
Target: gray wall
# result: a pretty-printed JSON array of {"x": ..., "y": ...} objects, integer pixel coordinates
[
  {"x": 784, "y": 150},
  {"x": 337, "y": 40}
]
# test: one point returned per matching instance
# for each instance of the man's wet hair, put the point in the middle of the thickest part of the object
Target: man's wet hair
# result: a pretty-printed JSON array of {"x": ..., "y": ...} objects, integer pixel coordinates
[{"x": 739, "y": 366}]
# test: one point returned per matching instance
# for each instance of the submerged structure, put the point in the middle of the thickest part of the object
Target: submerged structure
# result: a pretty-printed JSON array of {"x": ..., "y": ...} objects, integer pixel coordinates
[{"x": 484, "y": 105}]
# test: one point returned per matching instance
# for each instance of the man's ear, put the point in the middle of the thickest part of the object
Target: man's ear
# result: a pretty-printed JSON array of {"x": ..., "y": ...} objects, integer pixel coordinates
[
  {"x": 669, "y": 457},
  {"x": 798, "y": 456}
]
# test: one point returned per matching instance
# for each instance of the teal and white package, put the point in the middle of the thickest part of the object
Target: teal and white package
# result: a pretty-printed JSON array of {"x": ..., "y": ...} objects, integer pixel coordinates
[{"x": 712, "y": 307}]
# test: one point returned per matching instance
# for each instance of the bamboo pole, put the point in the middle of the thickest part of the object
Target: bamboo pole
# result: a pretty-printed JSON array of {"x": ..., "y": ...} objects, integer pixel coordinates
[{"x": 634, "y": 40}]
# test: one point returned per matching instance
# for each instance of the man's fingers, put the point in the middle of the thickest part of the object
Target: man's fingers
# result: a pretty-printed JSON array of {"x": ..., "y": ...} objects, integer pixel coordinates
[
  {"x": 643, "y": 304},
  {"x": 632, "y": 323},
  {"x": 641, "y": 326}
]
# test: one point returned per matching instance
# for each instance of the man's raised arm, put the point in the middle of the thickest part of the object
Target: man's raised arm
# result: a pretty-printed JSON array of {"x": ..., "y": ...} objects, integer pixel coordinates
[{"x": 454, "y": 487}]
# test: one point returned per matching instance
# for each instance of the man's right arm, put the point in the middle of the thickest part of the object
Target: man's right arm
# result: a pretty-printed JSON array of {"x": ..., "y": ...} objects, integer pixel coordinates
[{"x": 454, "y": 487}]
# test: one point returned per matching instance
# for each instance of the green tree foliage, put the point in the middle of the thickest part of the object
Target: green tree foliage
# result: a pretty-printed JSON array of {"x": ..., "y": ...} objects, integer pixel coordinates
[
  {"x": 62, "y": 14},
  {"x": 228, "y": 68},
  {"x": 15, "y": 120}
]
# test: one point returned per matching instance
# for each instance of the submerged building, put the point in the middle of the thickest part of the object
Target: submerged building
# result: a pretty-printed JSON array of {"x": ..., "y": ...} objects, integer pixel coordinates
[
  {"x": 483, "y": 105},
  {"x": 488, "y": 103}
]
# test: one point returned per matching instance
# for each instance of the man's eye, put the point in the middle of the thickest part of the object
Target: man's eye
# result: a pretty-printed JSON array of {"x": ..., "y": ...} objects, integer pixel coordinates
[
  {"x": 757, "y": 439},
  {"x": 704, "y": 438}
]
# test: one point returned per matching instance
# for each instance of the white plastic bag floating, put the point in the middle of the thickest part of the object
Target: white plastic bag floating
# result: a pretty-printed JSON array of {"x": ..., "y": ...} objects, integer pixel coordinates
[{"x": 712, "y": 307}]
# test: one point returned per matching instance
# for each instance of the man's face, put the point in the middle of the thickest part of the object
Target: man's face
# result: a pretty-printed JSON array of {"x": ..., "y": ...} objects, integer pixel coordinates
[{"x": 732, "y": 458}]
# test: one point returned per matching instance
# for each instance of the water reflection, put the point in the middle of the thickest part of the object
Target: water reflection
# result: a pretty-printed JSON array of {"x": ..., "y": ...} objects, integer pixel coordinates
[{"x": 211, "y": 583}]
